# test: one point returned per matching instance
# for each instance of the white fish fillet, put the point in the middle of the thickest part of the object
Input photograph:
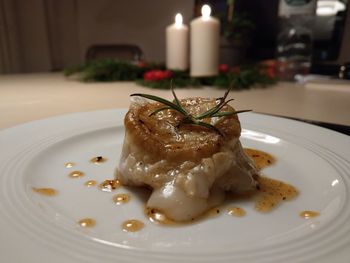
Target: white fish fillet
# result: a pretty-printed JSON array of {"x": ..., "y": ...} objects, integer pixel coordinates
[{"x": 189, "y": 168}]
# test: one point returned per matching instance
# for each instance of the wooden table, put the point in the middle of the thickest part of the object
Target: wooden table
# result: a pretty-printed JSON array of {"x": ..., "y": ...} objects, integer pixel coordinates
[{"x": 28, "y": 97}]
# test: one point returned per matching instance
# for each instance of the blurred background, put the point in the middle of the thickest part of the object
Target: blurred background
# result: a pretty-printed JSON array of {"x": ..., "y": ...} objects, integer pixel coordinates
[{"x": 49, "y": 35}]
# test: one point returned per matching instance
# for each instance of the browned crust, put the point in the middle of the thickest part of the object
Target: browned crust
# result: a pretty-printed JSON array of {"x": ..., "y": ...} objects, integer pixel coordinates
[{"x": 164, "y": 136}]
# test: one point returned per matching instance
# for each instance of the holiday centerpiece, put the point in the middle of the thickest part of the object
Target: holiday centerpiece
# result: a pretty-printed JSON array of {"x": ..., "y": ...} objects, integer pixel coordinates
[
  {"x": 204, "y": 69},
  {"x": 156, "y": 76}
]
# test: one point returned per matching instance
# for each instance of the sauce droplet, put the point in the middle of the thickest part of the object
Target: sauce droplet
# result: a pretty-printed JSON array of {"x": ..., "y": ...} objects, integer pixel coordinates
[
  {"x": 132, "y": 225},
  {"x": 261, "y": 159},
  {"x": 309, "y": 214},
  {"x": 271, "y": 192},
  {"x": 76, "y": 174},
  {"x": 212, "y": 212},
  {"x": 45, "y": 191},
  {"x": 121, "y": 199},
  {"x": 157, "y": 216},
  {"x": 109, "y": 185},
  {"x": 90, "y": 183},
  {"x": 236, "y": 211},
  {"x": 69, "y": 165},
  {"x": 87, "y": 222},
  {"x": 98, "y": 160}
]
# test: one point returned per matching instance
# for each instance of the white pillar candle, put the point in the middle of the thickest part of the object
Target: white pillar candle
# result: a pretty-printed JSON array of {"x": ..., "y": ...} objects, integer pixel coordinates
[
  {"x": 205, "y": 35},
  {"x": 177, "y": 45}
]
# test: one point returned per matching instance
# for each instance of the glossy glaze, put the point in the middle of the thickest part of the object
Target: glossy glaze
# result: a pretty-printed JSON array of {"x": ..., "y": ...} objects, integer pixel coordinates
[
  {"x": 119, "y": 199},
  {"x": 87, "y": 222},
  {"x": 76, "y": 174},
  {"x": 90, "y": 183},
  {"x": 132, "y": 225},
  {"x": 236, "y": 211},
  {"x": 261, "y": 159},
  {"x": 309, "y": 214},
  {"x": 98, "y": 160},
  {"x": 45, "y": 191},
  {"x": 109, "y": 185}
]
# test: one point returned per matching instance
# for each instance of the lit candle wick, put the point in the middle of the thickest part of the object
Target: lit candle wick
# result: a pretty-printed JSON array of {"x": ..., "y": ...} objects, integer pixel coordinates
[
  {"x": 206, "y": 11},
  {"x": 178, "y": 20}
]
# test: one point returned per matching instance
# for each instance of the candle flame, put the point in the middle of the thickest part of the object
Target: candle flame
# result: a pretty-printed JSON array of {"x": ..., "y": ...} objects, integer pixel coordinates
[
  {"x": 206, "y": 11},
  {"x": 178, "y": 20}
]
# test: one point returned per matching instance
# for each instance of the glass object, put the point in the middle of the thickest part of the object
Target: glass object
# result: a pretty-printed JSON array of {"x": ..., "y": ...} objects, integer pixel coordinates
[
  {"x": 294, "y": 50},
  {"x": 294, "y": 41}
]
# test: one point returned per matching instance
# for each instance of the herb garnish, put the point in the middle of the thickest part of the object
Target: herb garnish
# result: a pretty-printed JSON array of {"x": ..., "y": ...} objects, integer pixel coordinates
[{"x": 189, "y": 118}]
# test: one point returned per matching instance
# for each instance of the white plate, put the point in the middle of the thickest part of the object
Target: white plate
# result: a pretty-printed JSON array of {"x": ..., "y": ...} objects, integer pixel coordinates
[{"x": 35, "y": 228}]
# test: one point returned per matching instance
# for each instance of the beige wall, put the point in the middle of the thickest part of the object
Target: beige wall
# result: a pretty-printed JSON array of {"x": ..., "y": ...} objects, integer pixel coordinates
[
  {"x": 53, "y": 34},
  {"x": 26, "y": 34},
  {"x": 47, "y": 35},
  {"x": 33, "y": 42},
  {"x": 129, "y": 22},
  {"x": 63, "y": 32},
  {"x": 344, "y": 54},
  {"x": 9, "y": 43}
]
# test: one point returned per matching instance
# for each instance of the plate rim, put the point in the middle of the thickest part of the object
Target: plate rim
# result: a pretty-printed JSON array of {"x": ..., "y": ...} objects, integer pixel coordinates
[{"x": 9, "y": 131}]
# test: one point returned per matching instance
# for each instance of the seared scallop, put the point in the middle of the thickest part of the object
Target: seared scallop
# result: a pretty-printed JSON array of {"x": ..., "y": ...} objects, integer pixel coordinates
[{"x": 188, "y": 167}]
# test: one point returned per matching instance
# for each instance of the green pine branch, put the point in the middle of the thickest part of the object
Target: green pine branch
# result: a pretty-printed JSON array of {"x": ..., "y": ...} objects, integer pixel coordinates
[{"x": 115, "y": 70}]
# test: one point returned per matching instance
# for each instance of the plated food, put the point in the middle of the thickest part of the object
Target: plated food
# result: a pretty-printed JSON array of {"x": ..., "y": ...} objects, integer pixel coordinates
[
  {"x": 303, "y": 157},
  {"x": 189, "y": 154},
  {"x": 187, "y": 151}
]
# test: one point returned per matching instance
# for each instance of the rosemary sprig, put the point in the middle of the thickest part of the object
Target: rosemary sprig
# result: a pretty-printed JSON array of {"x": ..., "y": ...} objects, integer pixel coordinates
[
  {"x": 228, "y": 113},
  {"x": 189, "y": 118},
  {"x": 175, "y": 97}
]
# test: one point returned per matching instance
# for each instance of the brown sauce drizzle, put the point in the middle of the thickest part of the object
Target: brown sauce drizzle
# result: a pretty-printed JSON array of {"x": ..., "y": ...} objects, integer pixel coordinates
[
  {"x": 261, "y": 159},
  {"x": 69, "y": 165},
  {"x": 76, "y": 174},
  {"x": 98, "y": 160},
  {"x": 211, "y": 212},
  {"x": 90, "y": 183},
  {"x": 109, "y": 185},
  {"x": 309, "y": 214},
  {"x": 132, "y": 225},
  {"x": 157, "y": 216},
  {"x": 87, "y": 222},
  {"x": 236, "y": 211},
  {"x": 45, "y": 191},
  {"x": 121, "y": 199},
  {"x": 271, "y": 192}
]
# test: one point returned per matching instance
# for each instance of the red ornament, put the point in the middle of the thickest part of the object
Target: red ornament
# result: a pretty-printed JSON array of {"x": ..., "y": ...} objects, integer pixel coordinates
[
  {"x": 156, "y": 75},
  {"x": 236, "y": 70},
  {"x": 223, "y": 68},
  {"x": 271, "y": 72},
  {"x": 141, "y": 64},
  {"x": 269, "y": 68}
]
